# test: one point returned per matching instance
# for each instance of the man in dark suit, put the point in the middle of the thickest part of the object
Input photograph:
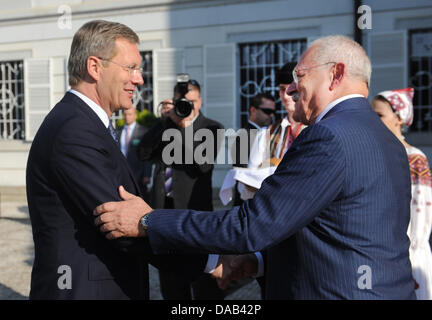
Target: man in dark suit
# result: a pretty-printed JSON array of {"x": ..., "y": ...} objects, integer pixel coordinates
[
  {"x": 74, "y": 164},
  {"x": 130, "y": 136},
  {"x": 183, "y": 184},
  {"x": 334, "y": 215}
]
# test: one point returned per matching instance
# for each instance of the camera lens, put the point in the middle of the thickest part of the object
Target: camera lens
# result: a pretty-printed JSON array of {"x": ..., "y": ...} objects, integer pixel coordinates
[{"x": 183, "y": 107}]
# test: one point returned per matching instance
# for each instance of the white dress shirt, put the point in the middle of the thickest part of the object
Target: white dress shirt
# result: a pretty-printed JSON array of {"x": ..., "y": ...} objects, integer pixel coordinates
[{"x": 123, "y": 136}]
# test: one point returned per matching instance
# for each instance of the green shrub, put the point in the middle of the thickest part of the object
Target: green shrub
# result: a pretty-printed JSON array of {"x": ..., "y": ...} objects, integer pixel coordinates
[{"x": 146, "y": 118}]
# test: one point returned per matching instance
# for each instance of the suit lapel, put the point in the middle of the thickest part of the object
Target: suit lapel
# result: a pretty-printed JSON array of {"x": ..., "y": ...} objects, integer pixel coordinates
[{"x": 96, "y": 121}]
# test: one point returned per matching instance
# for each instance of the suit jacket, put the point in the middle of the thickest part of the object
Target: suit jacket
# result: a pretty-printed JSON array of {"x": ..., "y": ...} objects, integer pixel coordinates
[
  {"x": 333, "y": 216},
  {"x": 139, "y": 168},
  {"x": 191, "y": 183},
  {"x": 75, "y": 165}
]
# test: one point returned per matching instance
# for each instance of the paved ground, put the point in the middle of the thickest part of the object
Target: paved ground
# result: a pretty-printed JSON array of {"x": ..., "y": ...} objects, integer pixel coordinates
[{"x": 17, "y": 254}]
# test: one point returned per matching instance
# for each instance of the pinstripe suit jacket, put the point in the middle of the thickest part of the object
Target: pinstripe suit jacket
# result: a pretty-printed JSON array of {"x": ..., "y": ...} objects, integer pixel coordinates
[{"x": 332, "y": 217}]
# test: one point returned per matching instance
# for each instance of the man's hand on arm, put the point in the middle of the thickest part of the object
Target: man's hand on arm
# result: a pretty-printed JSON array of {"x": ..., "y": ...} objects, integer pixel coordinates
[{"x": 122, "y": 218}]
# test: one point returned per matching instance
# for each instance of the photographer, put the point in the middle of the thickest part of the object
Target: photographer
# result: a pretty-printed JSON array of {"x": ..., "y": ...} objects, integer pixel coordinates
[{"x": 184, "y": 185}]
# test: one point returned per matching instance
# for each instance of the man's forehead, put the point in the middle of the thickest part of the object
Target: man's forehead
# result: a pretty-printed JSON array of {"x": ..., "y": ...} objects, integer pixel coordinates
[
  {"x": 125, "y": 47},
  {"x": 267, "y": 102},
  {"x": 307, "y": 56}
]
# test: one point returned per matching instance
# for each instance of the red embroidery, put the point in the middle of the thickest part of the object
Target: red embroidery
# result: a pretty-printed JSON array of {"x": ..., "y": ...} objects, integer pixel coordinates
[{"x": 419, "y": 169}]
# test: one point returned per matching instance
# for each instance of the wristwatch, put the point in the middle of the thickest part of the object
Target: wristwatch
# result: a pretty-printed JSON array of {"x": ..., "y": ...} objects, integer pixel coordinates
[{"x": 144, "y": 221}]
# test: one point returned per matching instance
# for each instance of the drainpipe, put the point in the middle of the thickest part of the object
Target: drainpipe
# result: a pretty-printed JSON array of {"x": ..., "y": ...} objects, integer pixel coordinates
[{"x": 357, "y": 32}]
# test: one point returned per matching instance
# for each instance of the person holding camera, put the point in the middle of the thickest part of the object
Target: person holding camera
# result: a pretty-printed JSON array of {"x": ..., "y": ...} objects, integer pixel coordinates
[{"x": 185, "y": 184}]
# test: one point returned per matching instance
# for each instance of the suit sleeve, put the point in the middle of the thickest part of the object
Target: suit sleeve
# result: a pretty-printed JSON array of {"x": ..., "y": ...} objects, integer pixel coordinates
[{"x": 307, "y": 180}]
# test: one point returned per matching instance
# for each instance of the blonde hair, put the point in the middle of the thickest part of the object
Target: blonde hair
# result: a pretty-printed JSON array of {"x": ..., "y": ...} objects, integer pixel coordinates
[{"x": 95, "y": 38}]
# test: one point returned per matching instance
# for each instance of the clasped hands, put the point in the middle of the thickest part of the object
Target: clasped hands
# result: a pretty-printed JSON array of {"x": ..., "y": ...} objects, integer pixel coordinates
[
  {"x": 232, "y": 267},
  {"x": 122, "y": 219}
]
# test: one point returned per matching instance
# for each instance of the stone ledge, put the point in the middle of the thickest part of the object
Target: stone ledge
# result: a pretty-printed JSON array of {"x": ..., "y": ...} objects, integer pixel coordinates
[{"x": 14, "y": 145}]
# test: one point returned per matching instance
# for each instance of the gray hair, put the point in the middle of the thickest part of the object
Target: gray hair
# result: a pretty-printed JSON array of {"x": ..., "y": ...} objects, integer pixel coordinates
[
  {"x": 338, "y": 48},
  {"x": 95, "y": 38}
]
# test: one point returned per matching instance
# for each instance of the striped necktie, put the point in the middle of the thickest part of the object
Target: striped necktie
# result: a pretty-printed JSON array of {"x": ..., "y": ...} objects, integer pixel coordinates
[
  {"x": 113, "y": 133},
  {"x": 168, "y": 182},
  {"x": 127, "y": 139}
]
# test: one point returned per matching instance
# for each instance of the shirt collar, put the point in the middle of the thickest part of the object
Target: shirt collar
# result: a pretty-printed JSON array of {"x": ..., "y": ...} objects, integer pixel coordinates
[
  {"x": 285, "y": 122},
  {"x": 103, "y": 116},
  {"x": 196, "y": 116},
  {"x": 335, "y": 102},
  {"x": 254, "y": 124},
  {"x": 131, "y": 126}
]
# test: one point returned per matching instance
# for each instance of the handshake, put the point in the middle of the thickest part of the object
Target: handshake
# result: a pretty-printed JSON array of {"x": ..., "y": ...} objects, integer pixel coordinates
[
  {"x": 231, "y": 267},
  {"x": 122, "y": 219}
]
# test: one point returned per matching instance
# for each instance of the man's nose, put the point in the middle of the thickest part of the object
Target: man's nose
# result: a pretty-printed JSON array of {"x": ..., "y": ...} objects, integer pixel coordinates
[
  {"x": 138, "y": 79},
  {"x": 291, "y": 88}
]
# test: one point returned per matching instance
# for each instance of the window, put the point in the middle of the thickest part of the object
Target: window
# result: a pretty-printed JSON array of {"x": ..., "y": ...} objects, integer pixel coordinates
[
  {"x": 420, "y": 78},
  {"x": 12, "y": 100},
  {"x": 143, "y": 95},
  {"x": 143, "y": 98},
  {"x": 258, "y": 65}
]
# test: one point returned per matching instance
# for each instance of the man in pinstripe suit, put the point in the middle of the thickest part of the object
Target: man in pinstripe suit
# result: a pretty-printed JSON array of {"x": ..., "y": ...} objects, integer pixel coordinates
[{"x": 334, "y": 215}]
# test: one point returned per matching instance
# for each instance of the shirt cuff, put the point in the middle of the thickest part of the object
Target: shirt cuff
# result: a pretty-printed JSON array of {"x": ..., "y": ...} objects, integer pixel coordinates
[
  {"x": 260, "y": 272},
  {"x": 212, "y": 263}
]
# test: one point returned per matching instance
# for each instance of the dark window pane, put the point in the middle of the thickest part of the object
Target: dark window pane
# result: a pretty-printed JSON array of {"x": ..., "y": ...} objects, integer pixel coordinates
[
  {"x": 420, "y": 78},
  {"x": 259, "y": 62},
  {"x": 12, "y": 100}
]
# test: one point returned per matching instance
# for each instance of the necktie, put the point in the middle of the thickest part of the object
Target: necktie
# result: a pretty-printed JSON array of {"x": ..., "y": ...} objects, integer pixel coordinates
[
  {"x": 168, "y": 182},
  {"x": 113, "y": 133},
  {"x": 127, "y": 139},
  {"x": 284, "y": 125}
]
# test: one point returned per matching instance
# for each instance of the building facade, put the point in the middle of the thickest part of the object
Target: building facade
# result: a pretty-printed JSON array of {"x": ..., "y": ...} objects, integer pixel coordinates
[{"x": 231, "y": 47}]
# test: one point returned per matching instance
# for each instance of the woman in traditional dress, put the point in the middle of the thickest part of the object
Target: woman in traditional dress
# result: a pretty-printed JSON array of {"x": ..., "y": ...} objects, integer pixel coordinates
[{"x": 395, "y": 109}]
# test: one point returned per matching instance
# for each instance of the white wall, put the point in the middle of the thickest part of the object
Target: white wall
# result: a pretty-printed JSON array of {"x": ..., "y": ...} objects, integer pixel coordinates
[{"x": 30, "y": 28}]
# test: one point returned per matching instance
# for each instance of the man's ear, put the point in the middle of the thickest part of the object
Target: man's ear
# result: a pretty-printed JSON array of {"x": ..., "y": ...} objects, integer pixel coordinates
[
  {"x": 338, "y": 75},
  {"x": 94, "y": 67}
]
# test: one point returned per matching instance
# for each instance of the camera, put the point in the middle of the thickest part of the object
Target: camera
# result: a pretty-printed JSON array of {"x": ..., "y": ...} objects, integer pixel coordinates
[{"x": 182, "y": 106}]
